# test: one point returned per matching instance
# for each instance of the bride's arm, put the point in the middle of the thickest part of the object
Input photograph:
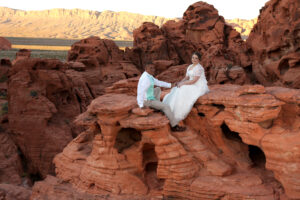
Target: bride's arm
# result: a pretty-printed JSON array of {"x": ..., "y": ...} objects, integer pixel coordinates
[
  {"x": 190, "y": 82},
  {"x": 184, "y": 79}
]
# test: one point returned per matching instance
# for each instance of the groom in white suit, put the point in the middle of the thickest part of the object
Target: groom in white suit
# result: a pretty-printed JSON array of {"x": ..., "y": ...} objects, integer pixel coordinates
[{"x": 148, "y": 96}]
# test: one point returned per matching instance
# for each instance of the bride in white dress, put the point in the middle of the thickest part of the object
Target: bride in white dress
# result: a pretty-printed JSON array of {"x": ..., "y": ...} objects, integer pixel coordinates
[{"x": 182, "y": 98}]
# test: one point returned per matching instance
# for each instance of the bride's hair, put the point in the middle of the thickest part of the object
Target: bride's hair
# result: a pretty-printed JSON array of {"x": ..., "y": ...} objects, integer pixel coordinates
[{"x": 197, "y": 54}]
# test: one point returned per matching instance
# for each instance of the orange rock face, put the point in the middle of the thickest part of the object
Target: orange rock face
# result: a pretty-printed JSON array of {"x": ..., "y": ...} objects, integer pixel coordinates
[
  {"x": 240, "y": 142},
  {"x": 44, "y": 96},
  {"x": 11, "y": 168},
  {"x": 4, "y": 44},
  {"x": 274, "y": 41},
  {"x": 151, "y": 44},
  {"x": 224, "y": 54},
  {"x": 101, "y": 63},
  {"x": 22, "y": 54},
  {"x": 8, "y": 191},
  {"x": 237, "y": 139},
  {"x": 10, "y": 162}
]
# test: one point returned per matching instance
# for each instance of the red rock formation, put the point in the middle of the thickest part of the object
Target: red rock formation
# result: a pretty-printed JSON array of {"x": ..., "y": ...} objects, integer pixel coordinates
[
  {"x": 237, "y": 137},
  {"x": 53, "y": 188},
  {"x": 220, "y": 45},
  {"x": 5, "y": 65},
  {"x": 173, "y": 74},
  {"x": 5, "y": 62},
  {"x": 22, "y": 54},
  {"x": 103, "y": 50},
  {"x": 44, "y": 96},
  {"x": 150, "y": 44},
  {"x": 13, "y": 192},
  {"x": 129, "y": 86},
  {"x": 225, "y": 55},
  {"x": 240, "y": 142},
  {"x": 102, "y": 63},
  {"x": 10, "y": 163},
  {"x": 274, "y": 41},
  {"x": 4, "y": 44}
]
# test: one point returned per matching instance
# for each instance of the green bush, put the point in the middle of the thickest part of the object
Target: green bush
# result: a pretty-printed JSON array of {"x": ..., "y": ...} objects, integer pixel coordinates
[
  {"x": 3, "y": 95},
  {"x": 4, "y": 109},
  {"x": 33, "y": 93},
  {"x": 3, "y": 78}
]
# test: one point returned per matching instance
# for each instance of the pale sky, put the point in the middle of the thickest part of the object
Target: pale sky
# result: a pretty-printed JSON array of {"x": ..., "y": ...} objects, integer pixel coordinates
[{"x": 229, "y": 9}]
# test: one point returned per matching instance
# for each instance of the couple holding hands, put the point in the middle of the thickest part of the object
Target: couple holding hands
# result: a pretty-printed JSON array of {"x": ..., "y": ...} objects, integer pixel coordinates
[{"x": 178, "y": 103}]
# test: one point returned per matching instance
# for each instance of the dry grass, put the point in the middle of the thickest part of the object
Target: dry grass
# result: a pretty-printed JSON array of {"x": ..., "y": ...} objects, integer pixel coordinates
[
  {"x": 47, "y": 47},
  {"x": 36, "y": 53}
]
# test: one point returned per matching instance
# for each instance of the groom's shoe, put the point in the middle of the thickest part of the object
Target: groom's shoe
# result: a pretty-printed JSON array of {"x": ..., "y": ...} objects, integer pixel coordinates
[{"x": 178, "y": 128}]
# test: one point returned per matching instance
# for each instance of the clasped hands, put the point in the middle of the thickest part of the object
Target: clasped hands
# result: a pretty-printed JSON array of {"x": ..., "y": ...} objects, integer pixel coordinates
[{"x": 177, "y": 84}]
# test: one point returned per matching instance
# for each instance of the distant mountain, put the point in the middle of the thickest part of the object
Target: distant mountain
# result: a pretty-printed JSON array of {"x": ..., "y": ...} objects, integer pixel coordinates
[
  {"x": 242, "y": 25},
  {"x": 78, "y": 24}
]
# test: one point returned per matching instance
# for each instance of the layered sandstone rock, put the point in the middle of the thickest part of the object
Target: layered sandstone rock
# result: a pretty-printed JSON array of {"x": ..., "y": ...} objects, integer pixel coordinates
[
  {"x": 235, "y": 146},
  {"x": 44, "y": 96},
  {"x": 53, "y": 188},
  {"x": 150, "y": 44},
  {"x": 274, "y": 41},
  {"x": 4, "y": 44},
  {"x": 101, "y": 63},
  {"x": 129, "y": 86},
  {"x": 224, "y": 53}
]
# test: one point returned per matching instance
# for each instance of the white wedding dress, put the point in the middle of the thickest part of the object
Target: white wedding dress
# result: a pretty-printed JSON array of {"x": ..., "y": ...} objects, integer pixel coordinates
[{"x": 181, "y": 100}]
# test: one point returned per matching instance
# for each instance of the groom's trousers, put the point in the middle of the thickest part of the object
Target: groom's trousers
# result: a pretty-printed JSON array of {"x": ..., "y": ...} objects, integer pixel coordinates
[{"x": 158, "y": 105}]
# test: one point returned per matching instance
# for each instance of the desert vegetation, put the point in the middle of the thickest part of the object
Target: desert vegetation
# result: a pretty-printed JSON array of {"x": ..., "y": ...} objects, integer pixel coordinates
[{"x": 52, "y": 48}]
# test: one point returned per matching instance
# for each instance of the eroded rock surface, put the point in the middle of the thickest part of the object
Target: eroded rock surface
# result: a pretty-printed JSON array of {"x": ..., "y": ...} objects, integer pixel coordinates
[
  {"x": 22, "y": 54},
  {"x": 237, "y": 139},
  {"x": 101, "y": 63},
  {"x": 274, "y": 41},
  {"x": 44, "y": 96},
  {"x": 225, "y": 55},
  {"x": 13, "y": 192},
  {"x": 11, "y": 168},
  {"x": 4, "y": 44}
]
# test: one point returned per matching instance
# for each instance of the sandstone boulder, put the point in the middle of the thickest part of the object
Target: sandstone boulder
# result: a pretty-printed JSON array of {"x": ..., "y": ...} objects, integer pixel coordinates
[
  {"x": 232, "y": 142},
  {"x": 150, "y": 44},
  {"x": 225, "y": 55},
  {"x": 101, "y": 63},
  {"x": 44, "y": 96},
  {"x": 274, "y": 41},
  {"x": 4, "y": 44},
  {"x": 11, "y": 168},
  {"x": 13, "y": 192},
  {"x": 22, "y": 54}
]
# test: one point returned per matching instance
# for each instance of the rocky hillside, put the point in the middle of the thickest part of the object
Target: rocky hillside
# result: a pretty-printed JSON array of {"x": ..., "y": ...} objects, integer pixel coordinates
[
  {"x": 75, "y": 23},
  {"x": 78, "y": 24}
]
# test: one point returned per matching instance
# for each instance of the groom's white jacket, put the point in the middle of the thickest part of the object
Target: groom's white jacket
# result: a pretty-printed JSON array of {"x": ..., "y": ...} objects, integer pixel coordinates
[{"x": 143, "y": 86}]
